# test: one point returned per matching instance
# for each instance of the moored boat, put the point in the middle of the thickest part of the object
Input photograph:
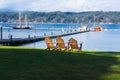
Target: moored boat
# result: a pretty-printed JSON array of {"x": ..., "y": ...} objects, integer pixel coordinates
[
  {"x": 98, "y": 28},
  {"x": 20, "y": 26}
]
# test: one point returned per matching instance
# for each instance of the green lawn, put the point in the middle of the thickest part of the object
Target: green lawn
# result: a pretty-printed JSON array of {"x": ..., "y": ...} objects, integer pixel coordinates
[{"x": 39, "y": 64}]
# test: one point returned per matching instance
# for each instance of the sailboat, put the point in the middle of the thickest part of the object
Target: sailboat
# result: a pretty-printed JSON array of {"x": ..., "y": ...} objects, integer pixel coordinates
[{"x": 20, "y": 26}]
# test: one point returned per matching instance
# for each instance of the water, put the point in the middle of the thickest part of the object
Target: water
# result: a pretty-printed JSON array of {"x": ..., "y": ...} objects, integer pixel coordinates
[{"x": 103, "y": 41}]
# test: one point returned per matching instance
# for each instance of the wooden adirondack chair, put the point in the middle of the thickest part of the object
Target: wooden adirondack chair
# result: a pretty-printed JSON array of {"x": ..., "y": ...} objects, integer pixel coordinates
[
  {"x": 73, "y": 45},
  {"x": 60, "y": 44},
  {"x": 49, "y": 43}
]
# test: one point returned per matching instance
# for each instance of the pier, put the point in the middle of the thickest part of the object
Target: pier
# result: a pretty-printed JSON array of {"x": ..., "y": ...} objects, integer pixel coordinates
[
  {"x": 49, "y": 28},
  {"x": 20, "y": 41}
]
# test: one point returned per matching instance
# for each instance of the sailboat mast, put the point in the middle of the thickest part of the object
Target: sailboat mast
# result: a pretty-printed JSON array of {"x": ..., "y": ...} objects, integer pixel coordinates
[
  {"x": 26, "y": 22},
  {"x": 20, "y": 22},
  {"x": 94, "y": 20}
]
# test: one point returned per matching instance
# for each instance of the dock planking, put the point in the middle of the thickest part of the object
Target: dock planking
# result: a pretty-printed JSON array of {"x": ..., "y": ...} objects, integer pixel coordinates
[{"x": 20, "y": 41}]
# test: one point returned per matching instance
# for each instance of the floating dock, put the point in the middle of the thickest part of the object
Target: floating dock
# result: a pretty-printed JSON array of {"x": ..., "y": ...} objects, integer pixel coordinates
[{"x": 20, "y": 41}]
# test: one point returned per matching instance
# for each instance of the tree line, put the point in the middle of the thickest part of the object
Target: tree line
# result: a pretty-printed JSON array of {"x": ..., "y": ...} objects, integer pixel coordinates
[{"x": 63, "y": 17}]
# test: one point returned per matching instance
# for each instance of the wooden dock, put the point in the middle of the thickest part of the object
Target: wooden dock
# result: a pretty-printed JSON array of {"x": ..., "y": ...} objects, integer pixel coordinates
[{"x": 20, "y": 41}]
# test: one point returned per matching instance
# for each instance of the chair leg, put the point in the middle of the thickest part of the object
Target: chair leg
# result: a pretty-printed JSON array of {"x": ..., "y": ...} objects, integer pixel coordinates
[
  {"x": 80, "y": 46},
  {"x": 47, "y": 49},
  {"x": 79, "y": 50},
  {"x": 65, "y": 49},
  {"x": 71, "y": 50}
]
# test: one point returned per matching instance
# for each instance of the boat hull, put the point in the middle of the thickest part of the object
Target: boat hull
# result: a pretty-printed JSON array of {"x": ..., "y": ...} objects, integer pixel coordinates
[{"x": 18, "y": 27}]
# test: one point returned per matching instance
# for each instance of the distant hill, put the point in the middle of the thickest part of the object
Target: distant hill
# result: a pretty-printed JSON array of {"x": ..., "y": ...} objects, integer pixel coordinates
[
  {"x": 62, "y": 17},
  {"x": 7, "y": 10}
]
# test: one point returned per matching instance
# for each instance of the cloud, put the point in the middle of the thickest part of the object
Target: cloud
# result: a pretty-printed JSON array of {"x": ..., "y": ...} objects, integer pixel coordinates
[
  {"x": 105, "y": 5},
  {"x": 60, "y": 5}
]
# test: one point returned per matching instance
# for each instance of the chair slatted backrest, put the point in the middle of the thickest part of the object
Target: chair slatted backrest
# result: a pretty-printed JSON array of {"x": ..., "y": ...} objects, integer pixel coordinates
[
  {"x": 49, "y": 43},
  {"x": 73, "y": 43},
  {"x": 60, "y": 43}
]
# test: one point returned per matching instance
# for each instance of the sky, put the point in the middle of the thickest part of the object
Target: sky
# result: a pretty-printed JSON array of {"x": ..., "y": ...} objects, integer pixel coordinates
[{"x": 60, "y": 5}]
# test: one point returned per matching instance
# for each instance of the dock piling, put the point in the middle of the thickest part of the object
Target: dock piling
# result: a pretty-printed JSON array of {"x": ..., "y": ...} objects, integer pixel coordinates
[
  {"x": 29, "y": 36},
  {"x": 1, "y": 32}
]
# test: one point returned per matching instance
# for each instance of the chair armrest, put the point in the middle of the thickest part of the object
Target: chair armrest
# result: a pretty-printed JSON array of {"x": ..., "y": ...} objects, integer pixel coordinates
[{"x": 49, "y": 43}]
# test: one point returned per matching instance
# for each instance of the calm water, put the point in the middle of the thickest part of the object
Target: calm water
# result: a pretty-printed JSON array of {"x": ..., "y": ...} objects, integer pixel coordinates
[{"x": 104, "y": 40}]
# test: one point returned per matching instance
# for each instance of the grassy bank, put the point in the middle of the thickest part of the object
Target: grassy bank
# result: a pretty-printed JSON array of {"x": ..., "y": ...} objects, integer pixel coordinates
[{"x": 38, "y": 64}]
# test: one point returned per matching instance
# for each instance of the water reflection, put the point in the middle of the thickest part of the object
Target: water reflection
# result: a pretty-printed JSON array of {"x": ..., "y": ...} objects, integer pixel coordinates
[{"x": 105, "y": 41}]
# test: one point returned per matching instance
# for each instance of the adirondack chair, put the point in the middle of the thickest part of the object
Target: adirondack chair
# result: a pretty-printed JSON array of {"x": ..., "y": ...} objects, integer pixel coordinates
[
  {"x": 49, "y": 43},
  {"x": 60, "y": 44},
  {"x": 73, "y": 45}
]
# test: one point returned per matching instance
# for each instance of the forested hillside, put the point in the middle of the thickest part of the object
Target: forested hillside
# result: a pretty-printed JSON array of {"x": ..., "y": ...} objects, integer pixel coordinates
[{"x": 63, "y": 17}]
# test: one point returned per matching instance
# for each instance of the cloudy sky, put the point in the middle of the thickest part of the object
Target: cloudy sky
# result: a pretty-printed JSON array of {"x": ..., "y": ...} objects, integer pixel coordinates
[{"x": 60, "y": 5}]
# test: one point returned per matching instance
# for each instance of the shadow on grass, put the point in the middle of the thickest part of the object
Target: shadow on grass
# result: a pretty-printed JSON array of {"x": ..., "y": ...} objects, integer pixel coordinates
[{"x": 36, "y": 64}]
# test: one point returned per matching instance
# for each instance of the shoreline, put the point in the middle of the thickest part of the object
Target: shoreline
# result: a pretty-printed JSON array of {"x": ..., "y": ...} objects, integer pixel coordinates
[{"x": 23, "y": 47}]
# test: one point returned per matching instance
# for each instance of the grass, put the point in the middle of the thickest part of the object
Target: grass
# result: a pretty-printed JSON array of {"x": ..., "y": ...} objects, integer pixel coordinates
[{"x": 38, "y": 64}]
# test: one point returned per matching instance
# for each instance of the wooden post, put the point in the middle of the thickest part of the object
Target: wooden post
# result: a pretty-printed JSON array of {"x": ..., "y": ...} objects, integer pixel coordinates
[
  {"x": 1, "y": 33},
  {"x": 11, "y": 37},
  {"x": 29, "y": 36},
  {"x": 44, "y": 34},
  {"x": 35, "y": 33}
]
